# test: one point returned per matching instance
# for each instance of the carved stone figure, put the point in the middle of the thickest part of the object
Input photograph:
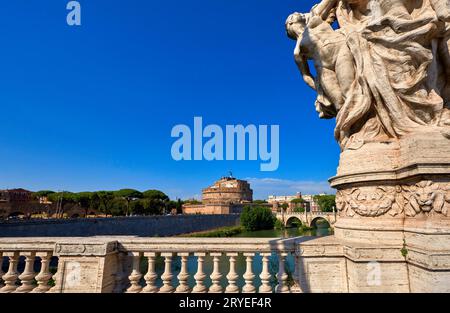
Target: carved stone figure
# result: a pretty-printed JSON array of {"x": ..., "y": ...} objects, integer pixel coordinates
[{"x": 384, "y": 73}]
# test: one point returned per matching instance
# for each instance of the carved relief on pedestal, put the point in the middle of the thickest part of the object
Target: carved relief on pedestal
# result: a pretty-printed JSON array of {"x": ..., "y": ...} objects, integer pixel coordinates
[
  {"x": 427, "y": 198},
  {"x": 423, "y": 198},
  {"x": 369, "y": 201}
]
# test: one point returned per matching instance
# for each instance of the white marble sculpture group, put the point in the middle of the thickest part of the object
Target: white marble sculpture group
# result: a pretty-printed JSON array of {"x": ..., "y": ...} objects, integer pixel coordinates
[{"x": 385, "y": 72}]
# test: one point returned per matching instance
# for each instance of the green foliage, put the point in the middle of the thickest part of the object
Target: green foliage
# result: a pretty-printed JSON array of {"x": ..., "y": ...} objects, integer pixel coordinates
[
  {"x": 192, "y": 201},
  {"x": 404, "y": 251},
  {"x": 147, "y": 207},
  {"x": 279, "y": 225},
  {"x": 220, "y": 232},
  {"x": 299, "y": 209},
  {"x": 298, "y": 201},
  {"x": 43, "y": 193},
  {"x": 116, "y": 203},
  {"x": 178, "y": 205},
  {"x": 128, "y": 194},
  {"x": 155, "y": 195},
  {"x": 326, "y": 202},
  {"x": 284, "y": 206},
  {"x": 259, "y": 201},
  {"x": 257, "y": 218}
]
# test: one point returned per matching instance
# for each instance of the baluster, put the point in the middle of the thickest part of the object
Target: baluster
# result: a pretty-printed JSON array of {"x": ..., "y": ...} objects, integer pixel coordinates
[
  {"x": 135, "y": 275},
  {"x": 200, "y": 275},
  {"x": 282, "y": 276},
  {"x": 265, "y": 274},
  {"x": 232, "y": 275},
  {"x": 28, "y": 274},
  {"x": 1, "y": 272},
  {"x": 151, "y": 276},
  {"x": 167, "y": 276},
  {"x": 44, "y": 275},
  {"x": 10, "y": 278},
  {"x": 216, "y": 275},
  {"x": 248, "y": 275},
  {"x": 183, "y": 276},
  {"x": 121, "y": 273}
]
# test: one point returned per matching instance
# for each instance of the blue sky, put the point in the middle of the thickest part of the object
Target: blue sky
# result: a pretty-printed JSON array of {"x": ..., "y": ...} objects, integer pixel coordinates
[{"x": 91, "y": 107}]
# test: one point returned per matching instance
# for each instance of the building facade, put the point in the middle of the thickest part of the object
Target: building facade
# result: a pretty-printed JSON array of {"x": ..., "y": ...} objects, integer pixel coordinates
[
  {"x": 226, "y": 196},
  {"x": 310, "y": 202},
  {"x": 15, "y": 195}
]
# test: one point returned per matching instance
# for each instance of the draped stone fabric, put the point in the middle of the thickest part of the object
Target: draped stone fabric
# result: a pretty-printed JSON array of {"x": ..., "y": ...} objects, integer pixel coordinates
[{"x": 399, "y": 63}]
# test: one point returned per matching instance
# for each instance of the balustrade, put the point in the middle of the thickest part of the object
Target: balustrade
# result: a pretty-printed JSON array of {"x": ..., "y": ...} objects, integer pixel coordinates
[
  {"x": 28, "y": 280},
  {"x": 189, "y": 265}
]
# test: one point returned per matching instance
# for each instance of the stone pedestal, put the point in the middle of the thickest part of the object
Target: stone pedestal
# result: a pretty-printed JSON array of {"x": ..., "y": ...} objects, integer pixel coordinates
[
  {"x": 393, "y": 229},
  {"x": 86, "y": 267}
]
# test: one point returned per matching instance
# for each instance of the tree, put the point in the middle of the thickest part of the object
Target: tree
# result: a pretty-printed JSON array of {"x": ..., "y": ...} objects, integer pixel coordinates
[
  {"x": 128, "y": 195},
  {"x": 148, "y": 206},
  {"x": 326, "y": 202},
  {"x": 43, "y": 193},
  {"x": 257, "y": 218},
  {"x": 299, "y": 205},
  {"x": 83, "y": 199},
  {"x": 260, "y": 201},
  {"x": 60, "y": 199},
  {"x": 178, "y": 205},
  {"x": 155, "y": 194},
  {"x": 298, "y": 201},
  {"x": 102, "y": 201}
]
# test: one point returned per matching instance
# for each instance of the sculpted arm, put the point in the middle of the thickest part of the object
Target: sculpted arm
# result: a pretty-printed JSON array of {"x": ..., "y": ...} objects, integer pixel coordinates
[
  {"x": 302, "y": 64},
  {"x": 324, "y": 8}
]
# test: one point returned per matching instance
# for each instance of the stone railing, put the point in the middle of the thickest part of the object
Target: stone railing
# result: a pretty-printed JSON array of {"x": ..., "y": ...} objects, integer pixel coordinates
[
  {"x": 34, "y": 254},
  {"x": 148, "y": 265}
]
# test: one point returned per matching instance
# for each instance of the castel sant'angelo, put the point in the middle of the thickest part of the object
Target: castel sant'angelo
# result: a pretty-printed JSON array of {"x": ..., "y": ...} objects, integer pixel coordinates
[{"x": 227, "y": 195}]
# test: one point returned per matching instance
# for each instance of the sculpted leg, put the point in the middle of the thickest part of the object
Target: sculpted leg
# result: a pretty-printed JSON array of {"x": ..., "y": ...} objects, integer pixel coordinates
[
  {"x": 330, "y": 85},
  {"x": 345, "y": 70}
]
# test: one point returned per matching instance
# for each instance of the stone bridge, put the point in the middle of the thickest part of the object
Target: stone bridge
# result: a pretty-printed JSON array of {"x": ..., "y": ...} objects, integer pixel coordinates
[{"x": 306, "y": 218}]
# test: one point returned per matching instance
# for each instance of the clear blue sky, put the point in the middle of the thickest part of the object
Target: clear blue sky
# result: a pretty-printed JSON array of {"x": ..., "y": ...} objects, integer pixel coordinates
[{"x": 92, "y": 107}]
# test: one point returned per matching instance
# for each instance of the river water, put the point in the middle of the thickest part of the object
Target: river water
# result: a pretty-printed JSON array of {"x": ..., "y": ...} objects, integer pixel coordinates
[{"x": 322, "y": 230}]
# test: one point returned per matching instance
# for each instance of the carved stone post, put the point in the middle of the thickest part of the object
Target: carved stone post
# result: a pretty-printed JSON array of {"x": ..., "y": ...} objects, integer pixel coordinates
[
  {"x": 26, "y": 278},
  {"x": 10, "y": 278},
  {"x": 216, "y": 275},
  {"x": 282, "y": 286},
  {"x": 136, "y": 274},
  {"x": 167, "y": 276},
  {"x": 151, "y": 276},
  {"x": 200, "y": 275},
  {"x": 265, "y": 274},
  {"x": 232, "y": 275},
  {"x": 248, "y": 275},
  {"x": 183, "y": 276},
  {"x": 44, "y": 275}
]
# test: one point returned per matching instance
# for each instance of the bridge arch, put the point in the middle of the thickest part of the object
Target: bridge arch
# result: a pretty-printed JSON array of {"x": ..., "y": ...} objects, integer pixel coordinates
[
  {"x": 293, "y": 221},
  {"x": 318, "y": 220}
]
